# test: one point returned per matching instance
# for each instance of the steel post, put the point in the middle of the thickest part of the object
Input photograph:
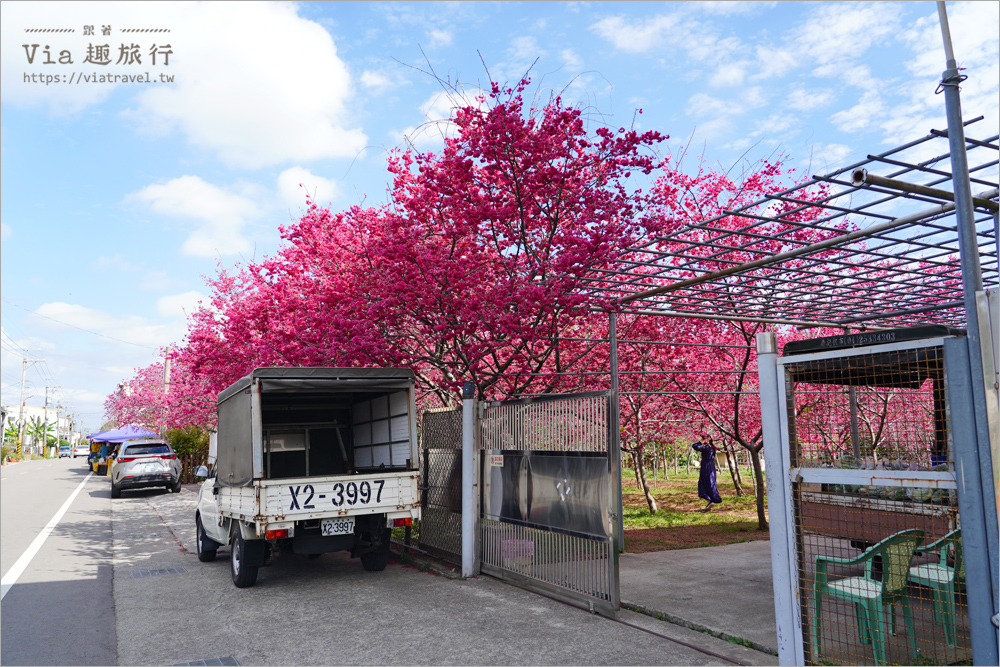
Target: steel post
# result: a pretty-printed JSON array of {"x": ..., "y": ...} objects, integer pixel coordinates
[
  {"x": 978, "y": 429},
  {"x": 616, "y": 434},
  {"x": 468, "y": 459},
  {"x": 782, "y": 570}
]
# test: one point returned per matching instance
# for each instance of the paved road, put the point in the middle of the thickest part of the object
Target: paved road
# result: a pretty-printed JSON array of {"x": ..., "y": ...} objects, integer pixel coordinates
[
  {"x": 169, "y": 608},
  {"x": 61, "y": 610}
]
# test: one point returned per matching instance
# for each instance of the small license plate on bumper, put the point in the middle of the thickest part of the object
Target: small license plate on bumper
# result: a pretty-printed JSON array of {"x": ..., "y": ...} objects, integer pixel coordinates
[{"x": 337, "y": 526}]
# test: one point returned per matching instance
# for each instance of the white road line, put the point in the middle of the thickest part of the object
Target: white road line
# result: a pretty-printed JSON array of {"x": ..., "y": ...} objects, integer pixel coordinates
[{"x": 15, "y": 572}]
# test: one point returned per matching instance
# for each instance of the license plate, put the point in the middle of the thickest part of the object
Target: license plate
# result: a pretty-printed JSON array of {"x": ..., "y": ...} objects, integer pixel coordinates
[
  {"x": 337, "y": 526},
  {"x": 148, "y": 467}
]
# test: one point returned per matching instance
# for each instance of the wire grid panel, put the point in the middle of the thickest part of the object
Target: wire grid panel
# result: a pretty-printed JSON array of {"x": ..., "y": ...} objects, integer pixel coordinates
[
  {"x": 574, "y": 564},
  {"x": 831, "y": 251},
  {"x": 880, "y": 574},
  {"x": 547, "y": 523},
  {"x": 573, "y": 424},
  {"x": 872, "y": 591},
  {"x": 441, "y": 515},
  {"x": 885, "y": 410}
]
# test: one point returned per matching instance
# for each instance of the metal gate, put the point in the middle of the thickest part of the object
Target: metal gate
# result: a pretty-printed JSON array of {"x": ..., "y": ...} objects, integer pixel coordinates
[
  {"x": 867, "y": 434},
  {"x": 441, "y": 517},
  {"x": 546, "y": 519}
]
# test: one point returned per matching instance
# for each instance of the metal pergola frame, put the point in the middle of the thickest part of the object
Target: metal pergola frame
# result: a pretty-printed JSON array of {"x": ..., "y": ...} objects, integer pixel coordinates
[{"x": 888, "y": 255}]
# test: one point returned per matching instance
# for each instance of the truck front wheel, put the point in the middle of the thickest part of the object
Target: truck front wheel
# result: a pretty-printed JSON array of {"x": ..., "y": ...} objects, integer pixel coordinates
[
  {"x": 244, "y": 576},
  {"x": 206, "y": 547},
  {"x": 375, "y": 561}
]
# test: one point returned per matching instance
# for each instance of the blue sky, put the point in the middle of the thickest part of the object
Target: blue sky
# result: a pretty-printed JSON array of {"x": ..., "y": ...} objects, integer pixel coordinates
[{"x": 117, "y": 198}]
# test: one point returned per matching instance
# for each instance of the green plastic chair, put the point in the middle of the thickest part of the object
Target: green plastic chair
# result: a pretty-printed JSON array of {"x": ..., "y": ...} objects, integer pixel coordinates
[
  {"x": 868, "y": 595},
  {"x": 944, "y": 581}
]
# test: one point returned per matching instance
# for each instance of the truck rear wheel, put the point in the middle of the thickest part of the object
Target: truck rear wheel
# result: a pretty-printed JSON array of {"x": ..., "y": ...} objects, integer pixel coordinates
[
  {"x": 375, "y": 561},
  {"x": 244, "y": 576}
]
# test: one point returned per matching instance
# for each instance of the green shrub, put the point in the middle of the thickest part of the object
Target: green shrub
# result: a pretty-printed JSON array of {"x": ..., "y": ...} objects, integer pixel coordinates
[{"x": 188, "y": 440}]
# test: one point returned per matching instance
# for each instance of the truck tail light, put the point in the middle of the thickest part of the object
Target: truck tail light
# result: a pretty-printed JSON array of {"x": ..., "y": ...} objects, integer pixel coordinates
[
  {"x": 277, "y": 534},
  {"x": 402, "y": 522}
]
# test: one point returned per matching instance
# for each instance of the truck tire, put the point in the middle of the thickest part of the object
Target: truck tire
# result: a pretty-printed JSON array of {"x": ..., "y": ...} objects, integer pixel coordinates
[
  {"x": 244, "y": 576},
  {"x": 375, "y": 561},
  {"x": 206, "y": 547},
  {"x": 116, "y": 491}
]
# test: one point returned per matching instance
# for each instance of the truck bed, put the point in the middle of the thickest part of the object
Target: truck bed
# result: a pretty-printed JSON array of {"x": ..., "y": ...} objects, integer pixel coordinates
[{"x": 297, "y": 499}]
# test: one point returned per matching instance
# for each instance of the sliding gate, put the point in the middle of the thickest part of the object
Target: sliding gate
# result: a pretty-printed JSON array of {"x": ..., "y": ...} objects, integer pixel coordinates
[{"x": 545, "y": 519}]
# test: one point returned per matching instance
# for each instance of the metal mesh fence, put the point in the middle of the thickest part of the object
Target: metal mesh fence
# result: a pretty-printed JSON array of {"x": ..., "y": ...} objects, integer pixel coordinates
[
  {"x": 881, "y": 579},
  {"x": 572, "y": 424},
  {"x": 885, "y": 410},
  {"x": 440, "y": 529},
  {"x": 880, "y": 571},
  {"x": 575, "y": 564}
]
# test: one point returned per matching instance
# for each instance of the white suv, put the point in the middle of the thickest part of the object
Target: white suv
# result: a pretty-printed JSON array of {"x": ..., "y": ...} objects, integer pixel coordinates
[{"x": 145, "y": 463}]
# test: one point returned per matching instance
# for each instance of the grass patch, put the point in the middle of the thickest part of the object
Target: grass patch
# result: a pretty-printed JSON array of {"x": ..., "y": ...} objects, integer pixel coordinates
[{"x": 679, "y": 524}]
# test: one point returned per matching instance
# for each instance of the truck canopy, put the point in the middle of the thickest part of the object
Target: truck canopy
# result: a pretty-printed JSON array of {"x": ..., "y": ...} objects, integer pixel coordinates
[{"x": 304, "y": 422}]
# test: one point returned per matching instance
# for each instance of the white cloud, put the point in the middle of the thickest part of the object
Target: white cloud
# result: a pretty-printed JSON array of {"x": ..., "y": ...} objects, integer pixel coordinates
[
  {"x": 842, "y": 32},
  {"x": 571, "y": 59},
  {"x": 131, "y": 328},
  {"x": 246, "y": 84},
  {"x": 774, "y": 61},
  {"x": 221, "y": 215},
  {"x": 180, "y": 306},
  {"x": 864, "y": 115},
  {"x": 635, "y": 36},
  {"x": 729, "y": 74},
  {"x": 828, "y": 157},
  {"x": 440, "y": 38},
  {"x": 438, "y": 110},
  {"x": 802, "y": 99},
  {"x": 375, "y": 81},
  {"x": 731, "y": 8},
  {"x": 297, "y": 182}
]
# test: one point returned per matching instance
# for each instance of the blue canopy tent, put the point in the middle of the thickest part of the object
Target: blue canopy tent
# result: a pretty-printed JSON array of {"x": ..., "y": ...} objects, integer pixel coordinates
[{"x": 122, "y": 434}]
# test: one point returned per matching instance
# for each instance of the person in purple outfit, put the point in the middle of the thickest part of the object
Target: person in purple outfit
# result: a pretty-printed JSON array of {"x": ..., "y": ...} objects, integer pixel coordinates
[{"x": 707, "y": 489}]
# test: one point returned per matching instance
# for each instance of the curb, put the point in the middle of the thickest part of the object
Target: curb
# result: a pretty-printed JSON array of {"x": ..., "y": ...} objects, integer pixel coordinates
[{"x": 676, "y": 620}]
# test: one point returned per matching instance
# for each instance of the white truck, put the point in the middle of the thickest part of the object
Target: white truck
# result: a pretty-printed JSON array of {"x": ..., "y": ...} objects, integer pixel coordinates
[{"x": 310, "y": 461}]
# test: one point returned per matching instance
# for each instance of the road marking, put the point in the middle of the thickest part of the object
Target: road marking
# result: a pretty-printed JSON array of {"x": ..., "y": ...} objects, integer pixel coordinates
[{"x": 15, "y": 572}]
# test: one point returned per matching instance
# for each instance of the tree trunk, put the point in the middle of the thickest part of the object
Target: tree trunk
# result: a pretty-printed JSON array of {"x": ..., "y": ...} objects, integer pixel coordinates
[
  {"x": 759, "y": 487},
  {"x": 640, "y": 476},
  {"x": 734, "y": 472}
]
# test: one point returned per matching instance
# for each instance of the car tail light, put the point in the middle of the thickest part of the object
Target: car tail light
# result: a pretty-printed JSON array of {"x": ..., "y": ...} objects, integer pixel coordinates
[
  {"x": 402, "y": 522},
  {"x": 277, "y": 534},
  {"x": 168, "y": 456},
  {"x": 125, "y": 459}
]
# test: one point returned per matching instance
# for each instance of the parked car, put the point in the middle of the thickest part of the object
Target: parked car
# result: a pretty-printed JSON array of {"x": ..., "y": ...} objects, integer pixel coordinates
[
  {"x": 64, "y": 450},
  {"x": 145, "y": 463},
  {"x": 82, "y": 449}
]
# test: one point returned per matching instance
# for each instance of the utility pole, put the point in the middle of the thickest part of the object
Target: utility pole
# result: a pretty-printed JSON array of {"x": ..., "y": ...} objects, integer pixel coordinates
[
  {"x": 20, "y": 408},
  {"x": 166, "y": 371},
  {"x": 45, "y": 422}
]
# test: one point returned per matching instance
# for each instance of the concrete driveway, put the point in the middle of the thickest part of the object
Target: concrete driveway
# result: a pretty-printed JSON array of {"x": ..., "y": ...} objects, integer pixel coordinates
[{"x": 172, "y": 609}]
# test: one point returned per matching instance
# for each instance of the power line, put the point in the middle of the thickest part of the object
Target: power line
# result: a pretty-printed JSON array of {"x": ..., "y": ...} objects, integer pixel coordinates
[{"x": 67, "y": 324}]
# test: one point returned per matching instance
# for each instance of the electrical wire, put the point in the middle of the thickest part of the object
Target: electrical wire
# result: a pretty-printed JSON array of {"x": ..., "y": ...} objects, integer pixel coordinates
[{"x": 73, "y": 326}]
